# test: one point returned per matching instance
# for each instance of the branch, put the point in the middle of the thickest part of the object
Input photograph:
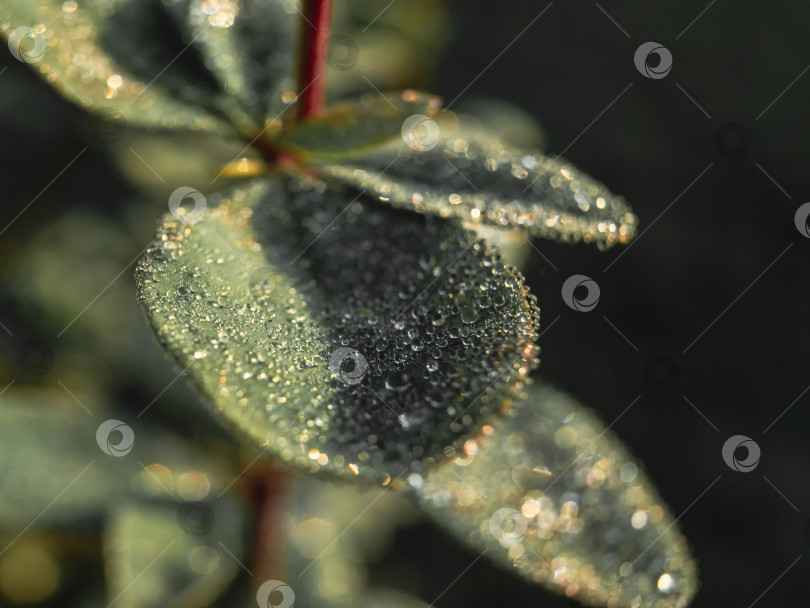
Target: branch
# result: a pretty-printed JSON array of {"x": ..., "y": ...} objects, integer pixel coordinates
[
  {"x": 270, "y": 487},
  {"x": 312, "y": 66}
]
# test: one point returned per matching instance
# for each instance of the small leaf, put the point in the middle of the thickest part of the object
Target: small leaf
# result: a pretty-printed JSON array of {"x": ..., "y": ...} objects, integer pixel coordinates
[
  {"x": 355, "y": 128},
  {"x": 467, "y": 178},
  {"x": 162, "y": 554},
  {"x": 48, "y": 451},
  {"x": 335, "y": 332},
  {"x": 249, "y": 46},
  {"x": 53, "y": 463},
  {"x": 327, "y": 550},
  {"x": 122, "y": 59},
  {"x": 548, "y": 491}
]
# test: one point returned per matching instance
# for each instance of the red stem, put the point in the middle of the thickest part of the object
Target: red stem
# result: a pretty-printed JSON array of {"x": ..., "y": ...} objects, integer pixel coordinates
[
  {"x": 312, "y": 68},
  {"x": 270, "y": 488}
]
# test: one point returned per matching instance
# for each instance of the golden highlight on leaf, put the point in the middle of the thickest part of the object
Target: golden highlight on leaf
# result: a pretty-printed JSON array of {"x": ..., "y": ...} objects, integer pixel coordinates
[
  {"x": 551, "y": 493},
  {"x": 472, "y": 179},
  {"x": 95, "y": 54}
]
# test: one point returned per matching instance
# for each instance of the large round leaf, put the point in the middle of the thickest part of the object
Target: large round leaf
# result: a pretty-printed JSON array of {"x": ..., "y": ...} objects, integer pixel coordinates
[{"x": 337, "y": 333}]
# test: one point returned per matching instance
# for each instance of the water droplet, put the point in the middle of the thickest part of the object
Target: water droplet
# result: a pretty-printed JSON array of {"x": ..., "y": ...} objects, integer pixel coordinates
[
  {"x": 397, "y": 382},
  {"x": 469, "y": 313}
]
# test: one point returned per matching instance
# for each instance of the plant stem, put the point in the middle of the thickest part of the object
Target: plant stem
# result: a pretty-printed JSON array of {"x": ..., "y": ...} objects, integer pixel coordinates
[
  {"x": 312, "y": 67},
  {"x": 270, "y": 488}
]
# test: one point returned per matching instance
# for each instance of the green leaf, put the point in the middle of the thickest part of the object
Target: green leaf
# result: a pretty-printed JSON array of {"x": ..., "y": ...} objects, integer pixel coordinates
[
  {"x": 468, "y": 178},
  {"x": 169, "y": 554},
  {"x": 335, "y": 332},
  {"x": 54, "y": 471},
  {"x": 120, "y": 58},
  {"x": 249, "y": 45},
  {"x": 48, "y": 449},
  {"x": 355, "y": 128},
  {"x": 551, "y": 493},
  {"x": 327, "y": 549}
]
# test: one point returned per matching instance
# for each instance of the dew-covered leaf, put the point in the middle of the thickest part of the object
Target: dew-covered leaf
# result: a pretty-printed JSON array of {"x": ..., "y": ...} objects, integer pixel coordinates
[
  {"x": 335, "y": 332},
  {"x": 123, "y": 59},
  {"x": 163, "y": 553},
  {"x": 250, "y": 47},
  {"x": 472, "y": 179},
  {"x": 548, "y": 491},
  {"x": 355, "y": 128}
]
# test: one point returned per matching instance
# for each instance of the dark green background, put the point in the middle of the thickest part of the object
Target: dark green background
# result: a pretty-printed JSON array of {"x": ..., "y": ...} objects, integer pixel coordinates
[{"x": 697, "y": 258}]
